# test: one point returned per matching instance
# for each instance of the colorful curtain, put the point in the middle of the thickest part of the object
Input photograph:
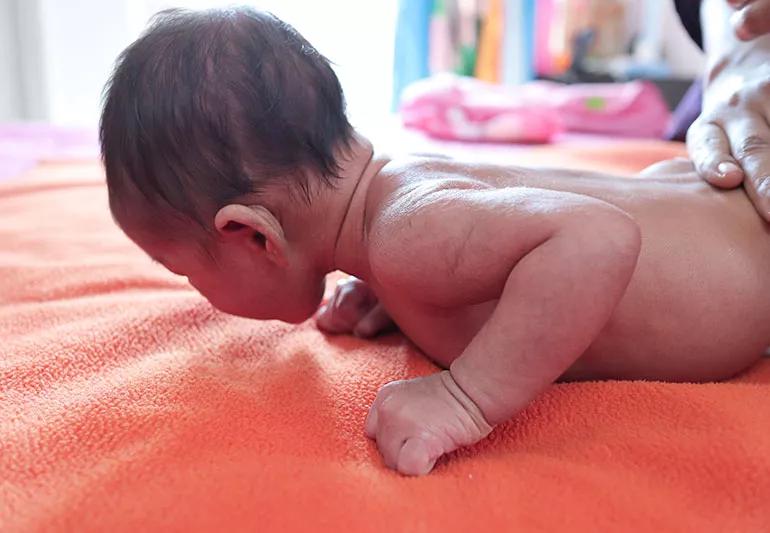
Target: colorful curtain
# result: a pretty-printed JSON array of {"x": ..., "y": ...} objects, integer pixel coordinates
[
  {"x": 411, "y": 57},
  {"x": 507, "y": 41},
  {"x": 490, "y": 39}
]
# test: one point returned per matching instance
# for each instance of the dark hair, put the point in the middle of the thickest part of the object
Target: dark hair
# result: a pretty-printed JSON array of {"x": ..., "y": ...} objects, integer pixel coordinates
[{"x": 207, "y": 106}]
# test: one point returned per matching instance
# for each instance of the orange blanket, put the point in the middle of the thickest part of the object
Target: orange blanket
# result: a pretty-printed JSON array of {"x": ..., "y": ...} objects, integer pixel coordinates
[{"x": 128, "y": 404}]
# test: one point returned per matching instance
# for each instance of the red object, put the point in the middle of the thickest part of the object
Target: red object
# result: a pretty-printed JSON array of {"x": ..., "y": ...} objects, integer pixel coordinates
[{"x": 128, "y": 404}]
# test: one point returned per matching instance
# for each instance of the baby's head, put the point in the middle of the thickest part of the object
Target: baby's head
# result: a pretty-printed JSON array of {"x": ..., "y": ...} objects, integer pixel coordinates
[{"x": 206, "y": 115}]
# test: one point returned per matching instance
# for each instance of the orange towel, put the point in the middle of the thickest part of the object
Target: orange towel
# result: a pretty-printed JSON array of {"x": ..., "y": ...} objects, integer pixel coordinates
[{"x": 128, "y": 404}]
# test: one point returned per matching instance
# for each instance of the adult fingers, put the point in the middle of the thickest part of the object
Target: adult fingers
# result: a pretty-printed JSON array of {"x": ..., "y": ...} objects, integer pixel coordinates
[
  {"x": 750, "y": 144},
  {"x": 752, "y": 19},
  {"x": 709, "y": 149}
]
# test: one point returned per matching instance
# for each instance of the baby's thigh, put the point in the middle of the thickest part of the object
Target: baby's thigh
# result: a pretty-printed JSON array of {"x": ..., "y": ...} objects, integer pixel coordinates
[{"x": 670, "y": 168}]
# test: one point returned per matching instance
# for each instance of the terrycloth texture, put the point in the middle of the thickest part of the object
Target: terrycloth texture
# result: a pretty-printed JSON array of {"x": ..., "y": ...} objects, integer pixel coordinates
[{"x": 128, "y": 404}]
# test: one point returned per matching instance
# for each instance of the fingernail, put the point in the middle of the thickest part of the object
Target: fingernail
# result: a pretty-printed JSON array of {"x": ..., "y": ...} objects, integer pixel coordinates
[
  {"x": 745, "y": 35},
  {"x": 726, "y": 167}
]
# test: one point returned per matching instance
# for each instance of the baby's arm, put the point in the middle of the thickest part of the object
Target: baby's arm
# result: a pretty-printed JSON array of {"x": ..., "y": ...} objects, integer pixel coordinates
[{"x": 559, "y": 264}]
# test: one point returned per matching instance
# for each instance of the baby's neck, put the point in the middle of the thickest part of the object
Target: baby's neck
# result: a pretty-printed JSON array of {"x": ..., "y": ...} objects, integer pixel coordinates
[{"x": 333, "y": 230}]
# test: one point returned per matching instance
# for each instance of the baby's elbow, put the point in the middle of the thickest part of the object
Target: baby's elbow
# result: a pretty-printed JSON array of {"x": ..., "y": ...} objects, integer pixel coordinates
[
  {"x": 607, "y": 239},
  {"x": 627, "y": 235},
  {"x": 618, "y": 241}
]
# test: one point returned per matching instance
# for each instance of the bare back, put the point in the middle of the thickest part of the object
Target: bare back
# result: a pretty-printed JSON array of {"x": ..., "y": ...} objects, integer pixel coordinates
[{"x": 697, "y": 306}]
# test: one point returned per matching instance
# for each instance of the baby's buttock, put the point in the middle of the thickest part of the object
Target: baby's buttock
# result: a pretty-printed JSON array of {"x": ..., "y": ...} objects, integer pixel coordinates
[{"x": 698, "y": 305}]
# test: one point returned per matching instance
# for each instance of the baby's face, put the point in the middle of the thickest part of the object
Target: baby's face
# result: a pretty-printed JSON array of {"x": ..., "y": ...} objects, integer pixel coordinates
[{"x": 239, "y": 283}]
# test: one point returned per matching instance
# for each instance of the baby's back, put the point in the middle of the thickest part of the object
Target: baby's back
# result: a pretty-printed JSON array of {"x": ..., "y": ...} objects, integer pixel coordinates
[{"x": 698, "y": 304}]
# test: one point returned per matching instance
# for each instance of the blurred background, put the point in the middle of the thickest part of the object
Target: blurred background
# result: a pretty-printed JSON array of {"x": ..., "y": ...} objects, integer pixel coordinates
[{"x": 55, "y": 55}]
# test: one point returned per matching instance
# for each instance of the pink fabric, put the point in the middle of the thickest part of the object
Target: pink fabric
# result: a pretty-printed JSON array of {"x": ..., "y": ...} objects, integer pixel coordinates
[
  {"x": 544, "y": 63},
  {"x": 633, "y": 109},
  {"x": 451, "y": 107},
  {"x": 24, "y": 145}
]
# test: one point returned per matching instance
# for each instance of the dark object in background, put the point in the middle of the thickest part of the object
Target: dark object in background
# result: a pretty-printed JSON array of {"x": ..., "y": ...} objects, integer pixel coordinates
[
  {"x": 689, "y": 14},
  {"x": 690, "y": 106},
  {"x": 672, "y": 89},
  {"x": 684, "y": 97},
  {"x": 685, "y": 113}
]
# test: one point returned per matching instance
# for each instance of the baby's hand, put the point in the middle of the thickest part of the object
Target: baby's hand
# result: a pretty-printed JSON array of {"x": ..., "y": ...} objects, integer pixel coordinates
[
  {"x": 353, "y": 309},
  {"x": 418, "y": 420}
]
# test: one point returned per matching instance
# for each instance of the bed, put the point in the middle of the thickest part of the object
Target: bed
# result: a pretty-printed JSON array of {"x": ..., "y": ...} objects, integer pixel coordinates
[{"x": 128, "y": 404}]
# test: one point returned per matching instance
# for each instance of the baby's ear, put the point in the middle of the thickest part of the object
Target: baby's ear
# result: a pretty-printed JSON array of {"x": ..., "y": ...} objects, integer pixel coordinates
[{"x": 253, "y": 226}]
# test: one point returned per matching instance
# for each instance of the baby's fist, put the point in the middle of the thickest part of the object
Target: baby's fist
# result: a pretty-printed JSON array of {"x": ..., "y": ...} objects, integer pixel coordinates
[
  {"x": 417, "y": 421},
  {"x": 353, "y": 309}
]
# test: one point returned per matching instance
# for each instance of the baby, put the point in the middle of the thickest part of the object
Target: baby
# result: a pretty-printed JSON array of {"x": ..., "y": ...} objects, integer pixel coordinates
[{"x": 230, "y": 161}]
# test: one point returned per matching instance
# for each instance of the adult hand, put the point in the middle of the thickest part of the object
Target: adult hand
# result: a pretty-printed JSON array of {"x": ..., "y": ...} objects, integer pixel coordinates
[
  {"x": 730, "y": 142},
  {"x": 751, "y": 18}
]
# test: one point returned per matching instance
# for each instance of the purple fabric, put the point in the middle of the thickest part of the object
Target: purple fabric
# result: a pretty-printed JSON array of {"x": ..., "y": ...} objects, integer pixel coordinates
[
  {"x": 24, "y": 145},
  {"x": 685, "y": 113}
]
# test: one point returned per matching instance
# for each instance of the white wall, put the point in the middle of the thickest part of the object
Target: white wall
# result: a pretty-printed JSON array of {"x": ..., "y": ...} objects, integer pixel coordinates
[
  {"x": 67, "y": 49},
  {"x": 682, "y": 54},
  {"x": 80, "y": 41},
  {"x": 33, "y": 85},
  {"x": 10, "y": 89}
]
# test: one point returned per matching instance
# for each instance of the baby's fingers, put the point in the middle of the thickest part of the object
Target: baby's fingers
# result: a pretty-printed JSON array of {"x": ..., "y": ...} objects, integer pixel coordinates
[
  {"x": 372, "y": 423},
  {"x": 344, "y": 310},
  {"x": 376, "y": 321},
  {"x": 416, "y": 457},
  {"x": 710, "y": 152},
  {"x": 372, "y": 420},
  {"x": 411, "y": 456},
  {"x": 329, "y": 321}
]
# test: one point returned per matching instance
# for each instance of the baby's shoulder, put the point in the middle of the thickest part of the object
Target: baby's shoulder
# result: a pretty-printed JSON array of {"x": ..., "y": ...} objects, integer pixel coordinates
[
  {"x": 419, "y": 223},
  {"x": 401, "y": 224}
]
